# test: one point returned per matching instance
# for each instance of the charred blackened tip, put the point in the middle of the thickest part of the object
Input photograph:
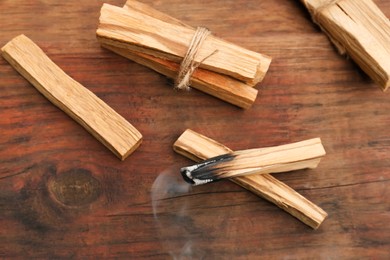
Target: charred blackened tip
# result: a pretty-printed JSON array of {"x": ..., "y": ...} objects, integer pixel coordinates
[
  {"x": 186, "y": 174},
  {"x": 206, "y": 171}
]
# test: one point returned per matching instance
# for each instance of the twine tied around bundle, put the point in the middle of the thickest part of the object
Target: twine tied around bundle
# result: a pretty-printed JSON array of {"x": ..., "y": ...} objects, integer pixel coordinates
[{"x": 188, "y": 64}]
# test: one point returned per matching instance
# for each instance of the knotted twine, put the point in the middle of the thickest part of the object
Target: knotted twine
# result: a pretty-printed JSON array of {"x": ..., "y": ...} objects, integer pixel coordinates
[{"x": 188, "y": 64}]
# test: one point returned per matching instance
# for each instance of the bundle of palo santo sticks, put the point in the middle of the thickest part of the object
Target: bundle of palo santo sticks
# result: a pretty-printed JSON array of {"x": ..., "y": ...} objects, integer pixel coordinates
[{"x": 161, "y": 42}]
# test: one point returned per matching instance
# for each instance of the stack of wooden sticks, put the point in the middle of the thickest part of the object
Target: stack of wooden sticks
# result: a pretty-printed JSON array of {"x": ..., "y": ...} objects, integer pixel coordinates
[{"x": 160, "y": 42}]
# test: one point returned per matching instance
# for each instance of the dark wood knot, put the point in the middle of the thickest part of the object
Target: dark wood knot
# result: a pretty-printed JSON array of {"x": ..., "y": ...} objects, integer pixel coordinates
[{"x": 76, "y": 187}]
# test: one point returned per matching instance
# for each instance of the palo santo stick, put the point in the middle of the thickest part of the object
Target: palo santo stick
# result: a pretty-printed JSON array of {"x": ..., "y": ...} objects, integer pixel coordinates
[
  {"x": 136, "y": 31},
  {"x": 300, "y": 155},
  {"x": 222, "y": 87},
  {"x": 359, "y": 29},
  {"x": 82, "y": 105},
  {"x": 198, "y": 147}
]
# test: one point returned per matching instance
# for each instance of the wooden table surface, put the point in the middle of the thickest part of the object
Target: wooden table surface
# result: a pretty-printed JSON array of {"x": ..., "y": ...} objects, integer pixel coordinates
[{"x": 64, "y": 195}]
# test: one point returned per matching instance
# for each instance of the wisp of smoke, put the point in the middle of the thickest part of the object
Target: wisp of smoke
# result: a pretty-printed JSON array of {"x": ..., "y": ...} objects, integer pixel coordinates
[{"x": 170, "y": 208}]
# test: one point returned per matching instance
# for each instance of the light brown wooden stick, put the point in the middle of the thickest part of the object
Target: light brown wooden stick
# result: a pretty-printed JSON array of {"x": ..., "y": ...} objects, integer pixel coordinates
[
  {"x": 198, "y": 147},
  {"x": 82, "y": 105},
  {"x": 282, "y": 158},
  {"x": 359, "y": 29},
  {"x": 136, "y": 31}
]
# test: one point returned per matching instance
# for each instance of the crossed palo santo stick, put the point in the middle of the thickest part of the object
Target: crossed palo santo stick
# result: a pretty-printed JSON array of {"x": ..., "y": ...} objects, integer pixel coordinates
[
  {"x": 198, "y": 147},
  {"x": 300, "y": 155}
]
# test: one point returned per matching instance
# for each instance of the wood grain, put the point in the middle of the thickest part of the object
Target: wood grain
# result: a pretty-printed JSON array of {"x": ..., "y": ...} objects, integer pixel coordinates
[
  {"x": 106, "y": 212},
  {"x": 198, "y": 147},
  {"x": 92, "y": 113}
]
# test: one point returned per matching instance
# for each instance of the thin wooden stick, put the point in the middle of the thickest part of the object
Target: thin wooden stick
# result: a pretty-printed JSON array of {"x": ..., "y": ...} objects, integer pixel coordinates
[
  {"x": 82, "y": 105},
  {"x": 136, "y": 31},
  {"x": 359, "y": 29},
  {"x": 198, "y": 147},
  {"x": 294, "y": 156}
]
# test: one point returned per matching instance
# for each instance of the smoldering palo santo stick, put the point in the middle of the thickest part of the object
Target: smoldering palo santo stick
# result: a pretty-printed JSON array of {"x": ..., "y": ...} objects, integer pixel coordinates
[
  {"x": 198, "y": 147},
  {"x": 300, "y": 155}
]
